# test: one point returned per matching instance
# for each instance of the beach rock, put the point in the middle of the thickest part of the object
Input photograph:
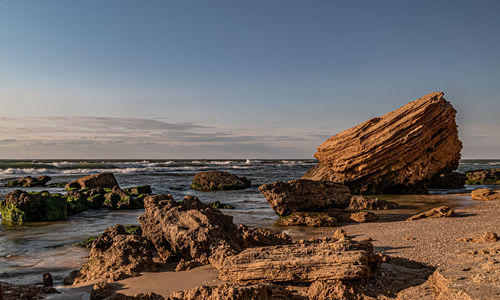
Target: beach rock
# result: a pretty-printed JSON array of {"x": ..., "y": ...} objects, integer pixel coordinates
[
  {"x": 19, "y": 207},
  {"x": 302, "y": 262},
  {"x": 359, "y": 217},
  {"x": 489, "y": 176},
  {"x": 70, "y": 278},
  {"x": 485, "y": 195},
  {"x": 10, "y": 291},
  {"x": 119, "y": 199},
  {"x": 311, "y": 219},
  {"x": 217, "y": 180},
  {"x": 29, "y": 181},
  {"x": 138, "y": 190},
  {"x": 228, "y": 291},
  {"x": 47, "y": 280},
  {"x": 398, "y": 152},
  {"x": 438, "y": 212},
  {"x": 334, "y": 289},
  {"x": 487, "y": 237},
  {"x": 102, "y": 180},
  {"x": 286, "y": 197},
  {"x": 359, "y": 202},
  {"x": 188, "y": 229},
  {"x": 257, "y": 237},
  {"x": 116, "y": 255},
  {"x": 101, "y": 290},
  {"x": 452, "y": 180}
]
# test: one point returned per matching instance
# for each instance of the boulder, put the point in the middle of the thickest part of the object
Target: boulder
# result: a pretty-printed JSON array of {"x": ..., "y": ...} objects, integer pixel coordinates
[
  {"x": 119, "y": 199},
  {"x": 452, "y": 180},
  {"x": 438, "y": 212},
  {"x": 188, "y": 229},
  {"x": 116, "y": 255},
  {"x": 10, "y": 291},
  {"x": 47, "y": 280},
  {"x": 19, "y": 207},
  {"x": 485, "y": 195},
  {"x": 398, "y": 152},
  {"x": 286, "y": 197},
  {"x": 29, "y": 181},
  {"x": 138, "y": 190},
  {"x": 102, "y": 180},
  {"x": 489, "y": 176},
  {"x": 302, "y": 262},
  {"x": 217, "y": 180},
  {"x": 359, "y": 202},
  {"x": 228, "y": 291}
]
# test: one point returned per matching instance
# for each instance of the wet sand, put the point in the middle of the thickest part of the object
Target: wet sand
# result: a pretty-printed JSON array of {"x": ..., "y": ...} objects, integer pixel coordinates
[{"x": 430, "y": 241}]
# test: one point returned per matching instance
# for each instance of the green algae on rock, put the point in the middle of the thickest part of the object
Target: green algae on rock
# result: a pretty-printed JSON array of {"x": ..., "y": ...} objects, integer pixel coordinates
[{"x": 217, "y": 180}]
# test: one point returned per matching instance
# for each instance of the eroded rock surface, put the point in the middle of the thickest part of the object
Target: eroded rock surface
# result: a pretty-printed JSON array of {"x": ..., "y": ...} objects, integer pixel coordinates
[
  {"x": 452, "y": 180},
  {"x": 334, "y": 289},
  {"x": 116, "y": 255},
  {"x": 489, "y": 176},
  {"x": 286, "y": 197},
  {"x": 437, "y": 212},
  {"x": 229, "y": 291},
  {"x": 302, "y": 262},
  {"x": 10, "y": 291},
  {"x": 217, "y": 180},
  {"x": 29, "y": 181},
  {"x": 359, "y": 202},
  {"x": 102, "y": 180},
  {"x": 20, "y": 206},
  {"x": 311, "y": 219},
  {"x": 485, "y": 195},
  {"x": 398, "y": 152}
]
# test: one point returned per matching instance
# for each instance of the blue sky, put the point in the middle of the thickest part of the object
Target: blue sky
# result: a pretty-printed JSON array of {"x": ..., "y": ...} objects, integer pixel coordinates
[{"x": 236, "y": 79}]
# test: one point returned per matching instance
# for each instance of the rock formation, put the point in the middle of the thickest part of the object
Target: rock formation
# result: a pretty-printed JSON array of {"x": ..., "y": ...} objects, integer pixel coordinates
[
  {"x": 438, "y": 212},
  {"x": 311, "y": 219},
  {"x": 228, "y": 291},
  {"x": 217, "y": 180},
  {"x": 102, "y": 180},
  {"x": 490, "y": 176},
  {"x": 19, "y": 207},
  {"x": 301, "y": 262},
  {"x": 485, "y": 195},
  {"x": 452, "y": 180},
  {"x": 286, "y": 197},
  {"x": 398, "y": 152},
  {"x": 366, "y": 202},
  {"x": 29, "y": 181},
  {"x": 116, "y": 255}
]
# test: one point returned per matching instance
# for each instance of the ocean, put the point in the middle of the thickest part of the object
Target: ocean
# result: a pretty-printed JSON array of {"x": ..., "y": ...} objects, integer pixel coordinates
[{"x": 28, "y": 251}]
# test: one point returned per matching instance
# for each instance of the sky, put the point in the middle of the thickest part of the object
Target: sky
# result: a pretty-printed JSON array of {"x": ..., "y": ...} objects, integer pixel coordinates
[{"x": 236, "y": 79}]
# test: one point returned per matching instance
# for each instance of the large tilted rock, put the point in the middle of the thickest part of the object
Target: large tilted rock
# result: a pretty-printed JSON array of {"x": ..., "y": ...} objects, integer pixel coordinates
[
  {"x": 217, "y": 180},
  {"x": 116, "y": 255},
  {"x": 302, "y": 262},
  {"x": 287, "y": 197},
  {"x": 103, "y": 180},
  {"x": 398, "y": 152}
]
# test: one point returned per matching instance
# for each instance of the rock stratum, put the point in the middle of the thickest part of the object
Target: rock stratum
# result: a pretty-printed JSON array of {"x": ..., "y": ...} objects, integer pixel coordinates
[{"x": 398, "y": 152}]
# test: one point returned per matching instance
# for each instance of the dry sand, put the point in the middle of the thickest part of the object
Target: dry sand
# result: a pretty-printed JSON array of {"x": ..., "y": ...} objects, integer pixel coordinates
[{"x": 432, "y": 242}]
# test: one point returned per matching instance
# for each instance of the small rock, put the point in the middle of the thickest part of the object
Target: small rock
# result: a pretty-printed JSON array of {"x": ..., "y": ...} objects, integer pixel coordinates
[
  {"x": 438, "y": 212},
  {"x": 216, "y": 180},
  {"x": 47, "y": 280},
  {"x": 485, "y": 194}
]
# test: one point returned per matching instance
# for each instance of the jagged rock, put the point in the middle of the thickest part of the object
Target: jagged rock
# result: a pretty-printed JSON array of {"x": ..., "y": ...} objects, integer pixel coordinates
[
  {"x": 366, "y": 202},
  {"x": 334, "y": 289},
  {"x": 360, "y": 217},
  {"x": 29, "y": 181},
  {"x": 189, "y": 229},
  {"x": 485, "y": 238},
  {"x": 119, "y": 199},
  {"x": 311, "y": 219},
  {"x": 485, "y": 194},
  {"x": 116, "y": 255},
  {"x": 19, "y": 207},
  {"x": 286, "y": 197},
  {"x": 229, "y": 291},
  {"x": 102, "y": 180},
  {"x": 101, "y": 290},
  {"x": 256, "y": 237},
  {"x": 184, "y": 265},
  {"x": 452, "y": 180},
  {"x": 438, "y": 212},
  {"x": 489, "y": 176},
  {"x": 138, "y": 190},
  {"x": 10, "y": 291},
  {"x": 301, "y": 262},
  {"x": 398, "y": 152},
  {"x": 217, "y": 180},
  {"x": 47, "y": 280},
  {"x": 70, "y": 278}
]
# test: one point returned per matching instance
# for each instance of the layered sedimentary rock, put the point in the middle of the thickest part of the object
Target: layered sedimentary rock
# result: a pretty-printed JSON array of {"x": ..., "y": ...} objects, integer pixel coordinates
[
  {"x": 116, "y": 255},
  {"x": 103, "y": 180},
  {"x": 217, "y": 180},
  {"x": 398, "y": 152},
  {"x": 301, "y": 262},
  {"x": 485, "y": 195},
  {"x": 437, "y": 212},
  {"x": 29, "y": 181},
  {"x": 286, "y": 197}
]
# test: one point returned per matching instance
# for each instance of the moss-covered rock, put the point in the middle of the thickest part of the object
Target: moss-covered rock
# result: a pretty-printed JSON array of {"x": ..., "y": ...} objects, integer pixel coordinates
[
  {"x": 217, "y": 204},
  {"x": 129, "y": 229},
  {"x": 490, "y": 176},
  {"x": 20, "y": 206},
  {"x": 138, "y": 190},
  {"x": 216, "y": 180},
  {"x": 28, "y": 181}
]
